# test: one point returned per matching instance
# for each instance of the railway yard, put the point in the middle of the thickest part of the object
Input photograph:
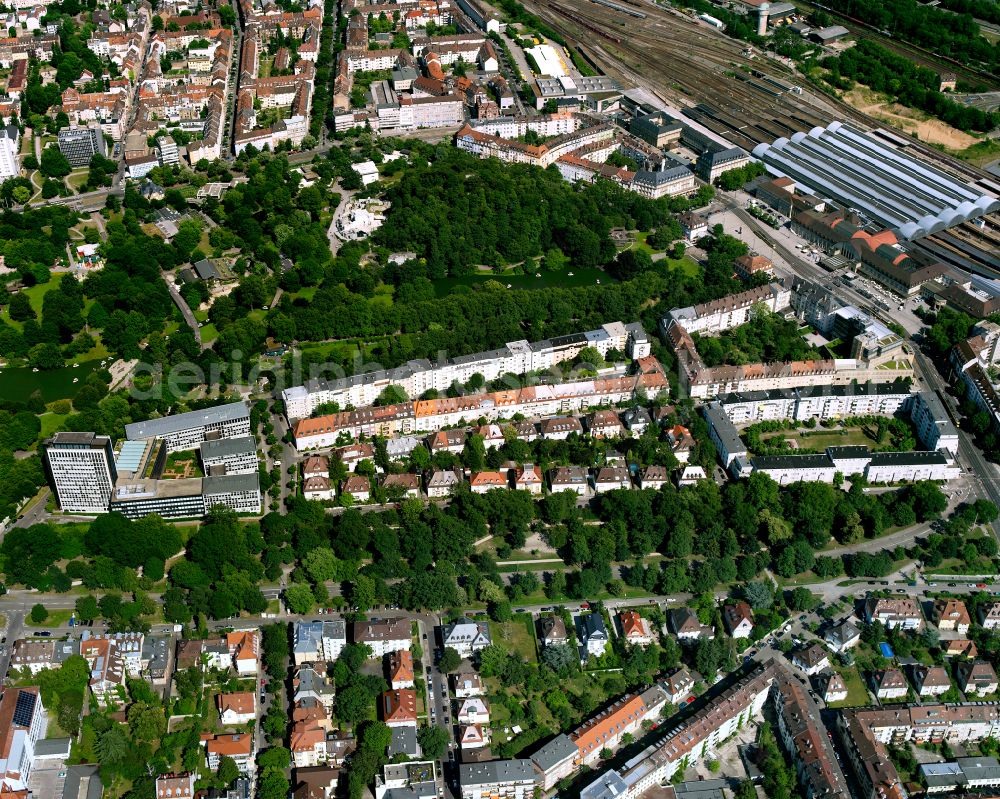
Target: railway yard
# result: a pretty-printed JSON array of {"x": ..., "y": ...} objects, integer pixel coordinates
[{"x": 746, "y": 99}]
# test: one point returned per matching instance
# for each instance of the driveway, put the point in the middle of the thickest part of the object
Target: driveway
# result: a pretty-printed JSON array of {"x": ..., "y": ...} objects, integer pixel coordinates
[{"x": 184, "y": 309}]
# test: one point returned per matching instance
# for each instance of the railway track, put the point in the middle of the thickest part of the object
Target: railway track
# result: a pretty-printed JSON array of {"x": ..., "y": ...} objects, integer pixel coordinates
[
  {"x": 917, "y": 54},
  {"x": 694, "y": 60},
  {"x": 694, "y": 68}
]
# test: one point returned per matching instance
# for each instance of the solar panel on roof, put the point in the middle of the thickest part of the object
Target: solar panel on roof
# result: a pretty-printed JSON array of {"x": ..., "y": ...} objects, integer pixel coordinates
[{"x": 25, "y": 709}]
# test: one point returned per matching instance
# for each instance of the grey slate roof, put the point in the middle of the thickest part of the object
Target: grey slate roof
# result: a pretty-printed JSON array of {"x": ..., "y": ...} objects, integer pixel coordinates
[
  {"x": 223, "y": 484},
  {"x": 152, "y": 428},
  {"x": 554, "y": 752},
  {"x": 494, "y": 771},
  {"x": 227, "y": 447},
  {"x": 404, "y": 742}
]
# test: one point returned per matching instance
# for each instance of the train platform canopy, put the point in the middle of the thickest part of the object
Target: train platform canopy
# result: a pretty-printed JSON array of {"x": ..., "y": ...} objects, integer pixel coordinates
[{"x": 875, "y": 180}]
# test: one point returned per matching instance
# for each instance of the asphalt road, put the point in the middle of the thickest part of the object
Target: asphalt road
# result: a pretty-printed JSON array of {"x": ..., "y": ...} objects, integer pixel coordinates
[{"x": 984, "y": 474}]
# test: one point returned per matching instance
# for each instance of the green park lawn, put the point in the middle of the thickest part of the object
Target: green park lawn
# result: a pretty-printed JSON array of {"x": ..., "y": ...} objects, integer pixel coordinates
[
  {"x": 36, "y": 294},
  {"x": 516, "y": 635},
  {"x": 77, "y": 178},
  {"x": 821, "y": 439},
  {"x": 581, "y": 276},
  {"x": 57, "y": 618},
  {"x": 857, "y": 694}
]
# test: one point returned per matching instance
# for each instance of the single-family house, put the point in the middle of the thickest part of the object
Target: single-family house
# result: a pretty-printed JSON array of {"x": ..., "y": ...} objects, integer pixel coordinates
[
  {"x": 473, "y": 710},
  {"x": 473, "y": 736},
  {"x": 527, "y": 478},
  {"x": 357, "y": 487},
  {"x": 176, "y": 786},
  {"x": 406, "y": 485},
  {"x": 492, "y": 436},
  {"x": 690, "y": 475},
  {"x": 609, "y": 478},
  {"x": 930, "y": 680},
  {"x": 466, "y": 636},
  {"x": 890, "y": 684},
  {"x": 481, "y": 482},
  {"x": 738, "y": 618},
  {"x": 592, "y": 634},
  {"x": 835, "y": 689},
  {"x": 452, "y": 441},
  {"x": 237, "y": 708},
  {"x": 636, "y": 419},
  {"x": 466, "y": 684},
  {"x": 238, "y": 746},
  {"x": 636, "y": 630},
  {"x": 812, "y": 660},
  {"x": 901, "y": 612},
  {"x": 688, "y": 627},
  {"x": 559, "y": 428},
  {"x": 442, "y": 482},
  {"x": 842, "y": 637},
  {"x": 316, "y": 466},
  {"x": 951, "y": 614},
  {"x": 960, "y": 648},
  {"x": 604, "y": 424},
  {"x": 654, "y": 477},
  {"x": 989, "y": 615},
  {"x": 244, "y": 648},
  {"x": 678, "y": 686},
  {"x": 976, "y": 677},
  {"x": 399, "y": 708},
  {"x": 400, "y": 668},
  {"x": 552, "y": 630},
  {"x": 568, "y": 478},
  {"x": 318, "y": 489}
]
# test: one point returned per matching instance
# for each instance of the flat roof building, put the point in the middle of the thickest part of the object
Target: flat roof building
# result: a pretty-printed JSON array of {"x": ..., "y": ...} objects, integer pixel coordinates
[
  {"x": 82, "y": 468},
  {"x": 188, "y": 430}
]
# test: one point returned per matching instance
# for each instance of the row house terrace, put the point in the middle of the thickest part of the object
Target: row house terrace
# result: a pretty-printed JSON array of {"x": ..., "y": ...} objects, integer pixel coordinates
[
  {"x": 17, "y": 48},
  {"x": 867, "y": 731},
  {"x": 428, "y": 415},
  {"x": 420, "y": 375},
  {"x": 109, "y": 109}
]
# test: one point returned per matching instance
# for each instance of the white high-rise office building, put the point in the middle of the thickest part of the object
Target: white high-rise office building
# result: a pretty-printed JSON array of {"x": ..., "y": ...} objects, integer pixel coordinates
[
  {"x": 10, "y": 160},
  {"x": 82, "y": 466}
]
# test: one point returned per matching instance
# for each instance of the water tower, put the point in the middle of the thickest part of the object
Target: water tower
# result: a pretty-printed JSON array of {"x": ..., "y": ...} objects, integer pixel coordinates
[{"x": 762, "y": 14}]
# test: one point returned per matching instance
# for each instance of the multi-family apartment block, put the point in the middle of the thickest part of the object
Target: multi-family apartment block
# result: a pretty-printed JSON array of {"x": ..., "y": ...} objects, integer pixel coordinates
[
  {"x": 23, "y": 722},
  {"x": 803, "y": 734},
  {"x": 685, "y": 743},
  {"x": 318, "y": 640},
  {"x": 383, "y": 636},
  {"x": 866, "y": 732},
  {"x": 419, "y": 376},
  {"x": 607, "y": 728},
  {"x": 497, "y": 779},
  {"x": 877, "y": 354},
  {"x": 422, "y": 415},
  {"x": 901, "y": 612}
]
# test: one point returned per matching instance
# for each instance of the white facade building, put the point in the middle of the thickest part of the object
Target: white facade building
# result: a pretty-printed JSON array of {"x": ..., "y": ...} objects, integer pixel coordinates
[
  {"x": 419, "y": 376},
  {"x": 82, "y": 466}
]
